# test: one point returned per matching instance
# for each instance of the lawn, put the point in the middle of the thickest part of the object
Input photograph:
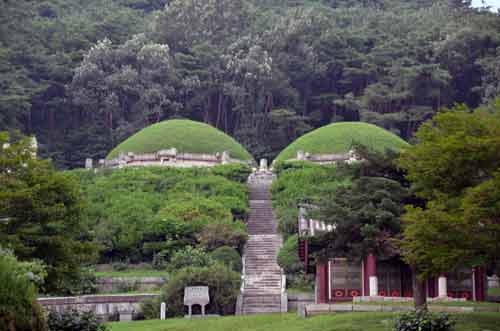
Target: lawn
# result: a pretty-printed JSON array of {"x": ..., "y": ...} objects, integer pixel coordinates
[
  {"x": 495, "y": 292},
  {"x": 187, "y": 136},
  {"x": 290, "y": 322},
  {"x": 339, "y": 137},
  {"x": 132, "y": 273}
]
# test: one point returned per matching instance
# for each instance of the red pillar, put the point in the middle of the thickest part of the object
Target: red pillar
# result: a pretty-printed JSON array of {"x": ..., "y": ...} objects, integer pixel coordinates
[
  {"x": 322, "y": 278},
  {"x": 480, "y": 283},
  {"x": 371, "y": 265}
]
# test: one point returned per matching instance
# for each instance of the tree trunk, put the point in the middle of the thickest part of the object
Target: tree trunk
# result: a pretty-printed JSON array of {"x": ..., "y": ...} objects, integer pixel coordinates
[{"x": 419, "y": 292}]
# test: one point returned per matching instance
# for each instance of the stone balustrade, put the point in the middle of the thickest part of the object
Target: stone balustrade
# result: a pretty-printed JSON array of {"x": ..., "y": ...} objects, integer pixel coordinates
[
  {"x": 168, "y": 158},
  {"x": 102, "y": 305}
]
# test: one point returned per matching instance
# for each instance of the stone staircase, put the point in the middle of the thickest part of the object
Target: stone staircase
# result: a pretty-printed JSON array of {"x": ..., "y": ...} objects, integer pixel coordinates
[{"x": 262, "y": 289}]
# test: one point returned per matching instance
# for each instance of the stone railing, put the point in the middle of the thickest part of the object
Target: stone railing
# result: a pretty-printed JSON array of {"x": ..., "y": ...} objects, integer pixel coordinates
[
  {"x": 168, "y": 158},
  {"x": 125, "y": 306},
  {"x": 324, "y": 159}
]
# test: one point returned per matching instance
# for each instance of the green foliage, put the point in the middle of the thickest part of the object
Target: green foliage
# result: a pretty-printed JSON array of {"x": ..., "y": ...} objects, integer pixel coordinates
[
  {"x": 367, "y": 217},
  {"x": 150, "y": 308},
  {"x": 288, "y": 257},
  {"x": 40, "y": 211},
  {"x": 422, "y": 320},
  {"x": 186, "y": 136},
  {"x": 74, "y": 320},
  {"x": 86, "y": 75},
  {"x": 228, "y": 256},
  {"x": 136, "y": 214},
  {"x": 223, "y": 286},
  {"x": 19, "y": 310},
  {"x": 341, "y": 138},
  {"x": 189, "y": 257},
  {"x": 454, "y": 167},
  {"x": 301, "y": 182},
  {"x": 223, "y": 233},
  {"x": 36, "y": 270}
]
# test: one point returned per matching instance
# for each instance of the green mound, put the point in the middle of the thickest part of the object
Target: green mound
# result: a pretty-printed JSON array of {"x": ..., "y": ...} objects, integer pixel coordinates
[
  {"x": 185, "y": 135},
  {"x": 339, "y": 138}
]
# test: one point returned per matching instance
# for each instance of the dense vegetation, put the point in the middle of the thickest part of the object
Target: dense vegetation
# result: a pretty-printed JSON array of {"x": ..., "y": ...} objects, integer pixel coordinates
[
  {"x": 186, "y": 136},
  {"x": 460, "y": 189},
  {"x": 40, "y": 210},
  {"x": 341, "y": 138},
  {"x": 19, "y": 310},
  {"x": 84, "y": 76},
  {"x": 149, "y": 214}
]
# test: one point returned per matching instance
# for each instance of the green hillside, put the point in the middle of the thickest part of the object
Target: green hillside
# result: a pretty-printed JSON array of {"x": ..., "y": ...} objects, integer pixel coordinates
[
  {"x": 339, "y": 137},
  {"x": 185, "y": 135}
]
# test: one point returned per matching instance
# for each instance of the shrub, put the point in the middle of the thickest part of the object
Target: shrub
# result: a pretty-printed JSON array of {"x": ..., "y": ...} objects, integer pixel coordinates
[
  {"x": 73, "y": 320},
  {"x": 19, "y": 310},
  {"x": 223, "y": 233},
  {"x": 151, "y": 308},
  {"x": 233, "y": 172},
  {"x": 189, "y": 257},
  {"x": 85, "y": 282},
  {"x": 160, "y": 260},
  {"x": 423, "y": 320},
  {"x": 288, "y": 256},
  {"x": 228, "y": 256},
  {"x": 223, "y": 283},
  {"x": 120, "y": 266}
]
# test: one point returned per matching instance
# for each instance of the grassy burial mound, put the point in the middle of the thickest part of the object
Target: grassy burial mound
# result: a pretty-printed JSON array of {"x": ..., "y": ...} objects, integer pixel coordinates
[
  {"x": 185, "y": 135},
  {"x": 339, "y": 138}
]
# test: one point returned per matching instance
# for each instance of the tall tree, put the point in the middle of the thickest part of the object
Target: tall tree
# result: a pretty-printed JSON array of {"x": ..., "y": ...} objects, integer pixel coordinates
[
  {"x": 39, "y": 213},
  {"x": 453, "y": 167}
]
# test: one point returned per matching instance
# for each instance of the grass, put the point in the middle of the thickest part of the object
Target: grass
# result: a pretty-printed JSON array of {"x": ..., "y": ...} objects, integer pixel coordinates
[
  {"x": 339, "y": 138},
  {"x": 132, "y": 273},
  {"x": 187, "y": 136},
  {"x": 495, "y": 292},
  {"x": 290, "y": 322}
]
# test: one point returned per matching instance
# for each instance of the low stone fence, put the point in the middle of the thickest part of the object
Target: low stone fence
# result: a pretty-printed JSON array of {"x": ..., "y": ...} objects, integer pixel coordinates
[
  {"x": 126, "y": 284},
  {"x": 104, "y": 306},
  {"x": 296, "y": 299},
  {"x": 307, "y": 310}
]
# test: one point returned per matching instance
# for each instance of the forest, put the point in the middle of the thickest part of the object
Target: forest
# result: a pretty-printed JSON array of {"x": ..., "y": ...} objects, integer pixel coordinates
[{"x": 84, "y": 76}]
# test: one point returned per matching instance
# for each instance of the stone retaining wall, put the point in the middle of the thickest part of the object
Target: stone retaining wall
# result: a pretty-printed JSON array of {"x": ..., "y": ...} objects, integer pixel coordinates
[
  {"x": 102, "y": 305},
  {"x": 119, "y": 284}
]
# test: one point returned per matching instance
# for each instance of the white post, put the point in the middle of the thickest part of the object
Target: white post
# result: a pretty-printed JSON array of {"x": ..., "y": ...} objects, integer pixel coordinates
[
  {"x": 163, "y": 311},
  {"x": 442, "y": 287},
  {"x": 373, "y": 286}
]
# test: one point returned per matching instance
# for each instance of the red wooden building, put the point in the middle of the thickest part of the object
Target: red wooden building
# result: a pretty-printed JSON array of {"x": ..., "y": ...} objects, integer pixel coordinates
[{"x": 340, "y": 280}]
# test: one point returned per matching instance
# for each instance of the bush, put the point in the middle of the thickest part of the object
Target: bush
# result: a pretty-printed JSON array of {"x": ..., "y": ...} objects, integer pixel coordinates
[
  {"x": 189, "y": 257},
  {"x": 423, "y": 320},
  {"x": 73, "y": 320},
  {"x": 85, "y": 282},
  {"x": 233, "y": 172},
  {"x": 151, "y": 308},
  {"x": 223, "y": 233},
  {"x": 120, "y": 266},
  {"x": 288, "y": 256},
  {"x": 223, "y": 283},
  {"x": 19, "y": 310},
  {"x": 228, "y": 256}
]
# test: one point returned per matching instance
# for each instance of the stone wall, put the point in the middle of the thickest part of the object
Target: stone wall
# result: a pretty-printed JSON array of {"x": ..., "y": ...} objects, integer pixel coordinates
[
  {"x": 121, "y": 284},
  {"x": 104, "y": 306},
  {"x": 297, "y": 299}
]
